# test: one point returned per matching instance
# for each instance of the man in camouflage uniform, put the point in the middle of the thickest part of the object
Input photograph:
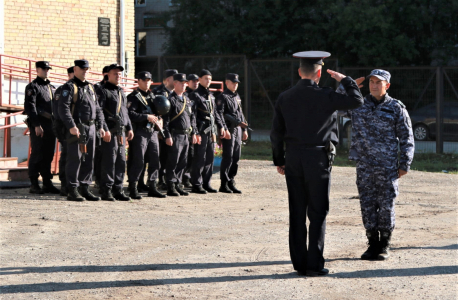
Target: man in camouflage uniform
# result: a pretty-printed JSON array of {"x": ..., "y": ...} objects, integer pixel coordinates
[{"x": 380, "y": 127}]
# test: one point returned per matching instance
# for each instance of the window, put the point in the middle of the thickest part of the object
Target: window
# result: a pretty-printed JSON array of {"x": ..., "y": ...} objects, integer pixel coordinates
[
  {"x": 140, "y": 3},
  {"x": 141, "y": 43},
  {"x": 154, "y": 21}
]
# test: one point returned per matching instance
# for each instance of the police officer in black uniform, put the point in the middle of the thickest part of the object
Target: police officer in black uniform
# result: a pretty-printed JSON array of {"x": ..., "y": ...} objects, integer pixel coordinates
[
  {"x": 60, "y": 131},
  {"x": 79, "y": 111},
  {"x": 206, "y": 120},
  {"x": 179, "y": 124},
  {"x": 143, "y": 119},
  {"x": 165, "y": 89},
  {"x": 306, "y": 121},
  {"x": 105, "y": 78},
  {"x": 229, "y": 107},
  {"x": 113, "y": 102},
  {"x": 38, "y": 108},
  {"x": 193, "y": 84}
]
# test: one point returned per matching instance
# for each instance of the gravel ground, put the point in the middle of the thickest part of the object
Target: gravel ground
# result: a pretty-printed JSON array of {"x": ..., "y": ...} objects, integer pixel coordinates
[{"x": 225, "y": 246}]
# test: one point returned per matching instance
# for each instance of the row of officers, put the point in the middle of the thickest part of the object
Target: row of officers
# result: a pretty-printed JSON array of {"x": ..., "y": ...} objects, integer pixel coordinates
[{"x": 171, "y": 131}]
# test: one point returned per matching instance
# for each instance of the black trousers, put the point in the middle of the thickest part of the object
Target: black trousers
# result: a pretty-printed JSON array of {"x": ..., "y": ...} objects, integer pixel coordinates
[
  {"x": 98, "y": 162},
  {"x": 163, "y": 152},
  {"x": 42, "y": 152},
  {"x": 308, "y": 178},
  {"x": 63, "y": 161},
  {"x": 113, "y": 163},
  {"x": 177, "y": 158},
  {"x": 202, "y": 164},
  {"x": 231, "y": 155},
  {"x": 187, "y": 170},
  {"x": 144, "y": 148},
  {"x": 79, "y": 171}
]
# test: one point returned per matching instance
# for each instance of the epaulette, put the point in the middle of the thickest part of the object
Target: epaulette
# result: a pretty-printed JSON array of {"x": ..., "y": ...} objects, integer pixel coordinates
[{"x": 400, "y": 103}]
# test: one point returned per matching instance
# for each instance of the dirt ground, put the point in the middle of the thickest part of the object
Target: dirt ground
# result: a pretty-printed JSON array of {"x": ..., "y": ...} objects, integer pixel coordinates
[{"x": 225, "y": 246}]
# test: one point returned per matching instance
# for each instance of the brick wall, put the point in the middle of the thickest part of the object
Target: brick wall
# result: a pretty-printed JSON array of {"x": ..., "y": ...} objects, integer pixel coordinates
[{"x": 64, "y": 30}]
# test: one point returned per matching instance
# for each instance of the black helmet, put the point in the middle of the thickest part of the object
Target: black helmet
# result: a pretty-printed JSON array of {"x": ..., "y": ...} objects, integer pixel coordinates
[{"x": 161, "y": 105}]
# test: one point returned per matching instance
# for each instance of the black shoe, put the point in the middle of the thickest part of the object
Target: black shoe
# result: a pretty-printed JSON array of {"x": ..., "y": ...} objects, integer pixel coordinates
[
  {"x": 385, "y": 238},
  {"x": 210, "y": 189},
  {"x": 312, "y": 273},
  {"x": 162, "y": 185},
  {"x": 74, "y": 194},
  {"x": 48, "y": 187},
  {"x": 118, "y": 194},
  {"x": 141, "y": 188},
  {"x": 153, "y": 192},
  {"x": 35, "y": 187},
  {"x": 63, "y": 189},
  {"x": 198, "y": 190},
  {"x": 231, "y": 185},
  {"x": 180, "y": 190},
  {"x": 171, "y": 190},
  {"x": 86, "y": 193},
  {"x": 373, "y": 242},
  {"x": 187, "y": 183},
  {"x": 106, "y": 194},
  {"x": 225, "y": 188},
  {"x": 133, "y": 191}
]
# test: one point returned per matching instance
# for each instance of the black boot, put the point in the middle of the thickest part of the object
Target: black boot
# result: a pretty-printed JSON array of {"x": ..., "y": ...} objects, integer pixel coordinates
[
  {"x": 153, "y": 192},
  {"x": 133, "y": 191},
  {"x": 187, "y": 183},
  {"x": 171, "y": 190},
  {"x": 373, "y": 242},
  {"x": 225, "y": 188},
  {"x": 118, "y": 193},
  {"x": 162, "y": 185},
  {"x": 63, "y": 188},
  {"x": 86, "y": 193},
  {"x": 385, "y": 238},
  {"x": 48, "y": 187},
  {"x": 198, "y": 190},
  {"x": 106, "y": 194},
  {"x": 35, "y": 187},
  {"x": 231, "y": 185},
  {"x": 180, "y": 190},
  {"x": 141, "y": 188},
  {"x": 74, "y": 194},
  {"x": 209, "y": 189}
]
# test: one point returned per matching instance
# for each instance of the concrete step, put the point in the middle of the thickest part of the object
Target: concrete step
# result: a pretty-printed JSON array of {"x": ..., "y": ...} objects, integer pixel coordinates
[
  {"x": 14, "y": 174},
  {"x": 8, "y": 162}
]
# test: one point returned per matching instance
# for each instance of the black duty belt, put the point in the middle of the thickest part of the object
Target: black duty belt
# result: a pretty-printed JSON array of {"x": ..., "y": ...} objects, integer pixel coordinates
[
  {"x": 88, "y": 123},
  {"x": 182, "y": 131}
]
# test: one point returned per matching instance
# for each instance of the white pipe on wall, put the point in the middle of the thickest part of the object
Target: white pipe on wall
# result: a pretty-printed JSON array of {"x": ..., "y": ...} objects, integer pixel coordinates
[{"x": 122, "y": 36}]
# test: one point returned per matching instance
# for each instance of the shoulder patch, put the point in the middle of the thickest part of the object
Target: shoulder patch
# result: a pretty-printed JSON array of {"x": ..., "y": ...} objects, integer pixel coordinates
[
  {"x": 29, "y": 92},
  {"x": 57, "y": 96},
  {"x": 65, "y": 93}
]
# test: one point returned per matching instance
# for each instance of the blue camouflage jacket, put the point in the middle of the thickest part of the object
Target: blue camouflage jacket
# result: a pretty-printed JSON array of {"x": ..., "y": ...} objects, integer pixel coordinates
[{"x": 379, "y": 131}]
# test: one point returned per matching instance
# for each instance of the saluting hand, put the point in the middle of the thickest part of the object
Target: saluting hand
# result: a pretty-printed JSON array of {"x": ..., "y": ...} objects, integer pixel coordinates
[
  {"x": 130, "y": 135},
  {"x": 281, "y": 170},
  {"x": 74, "y": 131},
  {"x": 359, "y": 81},
  {"x": 39, "y": 131},
  {"x": 336, "y": 75}
]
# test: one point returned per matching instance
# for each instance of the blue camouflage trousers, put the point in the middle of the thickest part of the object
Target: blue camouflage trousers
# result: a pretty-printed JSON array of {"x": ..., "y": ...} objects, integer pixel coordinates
[{"x": 378, "y": 189}]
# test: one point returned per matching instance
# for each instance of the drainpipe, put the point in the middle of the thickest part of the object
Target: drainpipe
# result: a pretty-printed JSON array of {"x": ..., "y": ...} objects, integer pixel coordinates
[{"x": 122, "y": 40}]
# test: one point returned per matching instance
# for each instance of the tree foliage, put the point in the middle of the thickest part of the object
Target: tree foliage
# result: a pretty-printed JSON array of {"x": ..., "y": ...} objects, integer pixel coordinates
[{"x": 357, "y": 32}]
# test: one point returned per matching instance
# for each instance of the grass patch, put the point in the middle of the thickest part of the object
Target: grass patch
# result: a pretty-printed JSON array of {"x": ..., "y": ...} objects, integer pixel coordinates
[{"x": 426, "y": 162}]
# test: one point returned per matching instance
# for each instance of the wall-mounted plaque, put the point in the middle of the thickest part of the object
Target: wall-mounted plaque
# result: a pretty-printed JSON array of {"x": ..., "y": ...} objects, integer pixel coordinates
[{"x": 104, "y": 31}]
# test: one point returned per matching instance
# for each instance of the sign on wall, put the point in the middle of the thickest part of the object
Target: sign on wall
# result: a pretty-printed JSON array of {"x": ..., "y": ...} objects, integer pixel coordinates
[{"x": 104, "y": 31}]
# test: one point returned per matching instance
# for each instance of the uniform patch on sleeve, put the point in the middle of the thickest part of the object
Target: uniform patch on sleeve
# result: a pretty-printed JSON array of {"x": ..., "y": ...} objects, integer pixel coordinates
[
  {"x": 57, "y": 97},
  {"x": 65, "y": 93},
  {"x": 219, "y": 102},
  {"x": 129, "y": 104},
  {"x": 29, "y": 92}
]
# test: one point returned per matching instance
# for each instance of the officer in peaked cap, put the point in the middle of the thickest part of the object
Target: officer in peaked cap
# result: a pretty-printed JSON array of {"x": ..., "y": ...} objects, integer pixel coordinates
[
  {"x": 38, "y": 108},
  {"x": 144, "y": 148},
  {"x": 165, "y": 89},
  {"x": 193, "y": 84},
  {"x": 105, "y": 77},
  {"x": 305, "y": 119},
  {"x": 229, "y": 107}
]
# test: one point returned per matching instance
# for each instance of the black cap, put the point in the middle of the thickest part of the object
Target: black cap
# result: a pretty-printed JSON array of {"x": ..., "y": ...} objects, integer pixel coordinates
[
  {"x": 193, "y": 77},
  {"x": 82, "y": 63},
  {"x": 106, "y": 69},
  {"x": 43, "y": 64},
  {"x": 232, "y": 77},
  {"x": 70, "y": 70},
  {"x": 144, "y": 75},
  {"x": 170, "y": 72},
  {"x": 115, "y": 66},
  {"x": 312, "y": 57},
  {"x": 180, "y": 77},
  {"x": 204, "y": 72}
]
